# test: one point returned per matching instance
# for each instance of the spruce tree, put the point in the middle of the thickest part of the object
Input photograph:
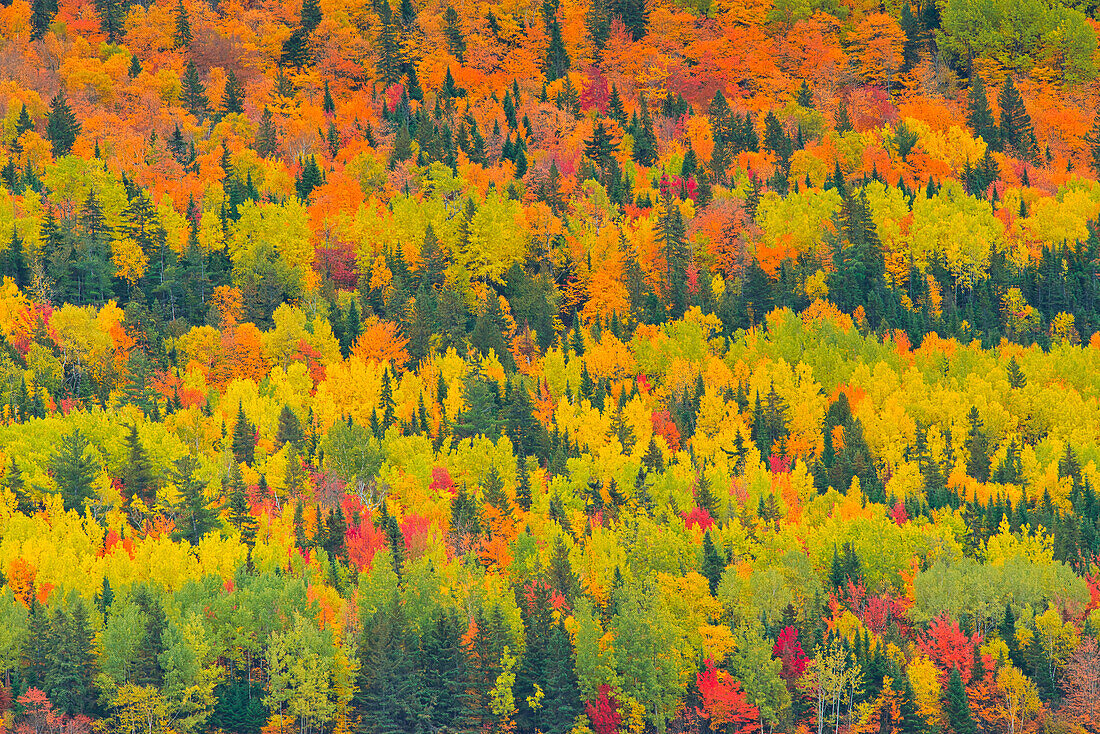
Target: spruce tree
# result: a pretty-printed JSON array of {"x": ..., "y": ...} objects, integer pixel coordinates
[
  {"x": 977, "y": 447},
  {"x": 556, "y": 64},
  {"x": 1092, "y": 139},
  {"x": 138, "y": 473},
  {"x": 979, "y": 116},
  {"x": 240, "y": 511},
  {"x": 183, "y": 35},
  {"x": 645, "y": 141},
  {"x": 233, "y": 98},
  {"x": 193, "y": 93},
  {"x": 267, "y": 143},
  {"x": 42, "y": 14},
  {"x": 62, "y": 126},
  {"x": 1016, "y": 130},
  {"x": 244, "y": 438},
  {"x": 713, "y": 563},
  {"x": 197, "y": 517},
  {"x": 73, "y": 470},
  {"x": 956, "y": 706},
  {"x": 112, "y": 17},
  {"x": 452, "y": 31}
]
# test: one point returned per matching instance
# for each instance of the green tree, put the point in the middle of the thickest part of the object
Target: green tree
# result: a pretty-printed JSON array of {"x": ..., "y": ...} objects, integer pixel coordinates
[
  {"x": 42, "y": 14},
  {"x": 192, "y": 92},
  {"x": 956, "y": 706},
  {"x": 713, "y": 563},
  {"x": 977, "y": 447},
  {"x": 645, "y": 141},
  {"x": 233, "y": 97},
  {"x": 74, "y": 469},
  {"x": 452, "y": 30},
  {"x": 183, "y": 35},
  {"x": 1016, "y": 130},
  {"x": 196, "y": 515},
  {"x": 244, "y": 438},
  {"x": 62, "y": 127},
  {"x": 979, "y": 116},
  {"x": 112, "y": 18},
  {"x": 267, "y": 137},
  {"x": 138, "y": 477}
]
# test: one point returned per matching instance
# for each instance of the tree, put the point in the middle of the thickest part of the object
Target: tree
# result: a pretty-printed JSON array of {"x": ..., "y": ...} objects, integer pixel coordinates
[
  {"x": 62, "y": 127},
  {"x": 556, "y": 63},
  {"x": 956, "y": 706},
  {"x": 244, "y": 438},
  {"x": 290, "y": 428},
  {"x": 1081, "y": 684},
  {"x": 240, "y": 510},
  {"x": 645, "y": 141},
  {"x": 979, "y": 116},
  {"x": 183, "y": 36},
  {"x": 977, "y": 447},
  {"x": 1016, "y": 131},
  {"x": 192, "y": 92},
  {"x": 713, "y": 563},
  {"x": 267, "y": 140},
  {"x": 42, "y": 14},
  {"x": 74, "y": 470},
  {"x": 452, "y": 30},
  {"x": 138, "y": 473},
  {"x": 388, "y": 697},
  {"x": 1092, "y": 139},
  {"x": 196, "y": 516},
  {"x": 233, "y": 98},
  {"x": 112, "y": 18}
]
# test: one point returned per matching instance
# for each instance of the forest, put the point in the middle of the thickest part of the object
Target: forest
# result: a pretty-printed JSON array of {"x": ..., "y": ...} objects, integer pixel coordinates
[{"x": 557, "y": 367}]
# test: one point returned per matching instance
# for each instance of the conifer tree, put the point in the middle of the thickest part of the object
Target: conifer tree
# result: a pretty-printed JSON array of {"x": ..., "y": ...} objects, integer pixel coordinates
[
  {"x": 193, "y": 93},
  {"x": 197, "y": 518},
  {"x": 62, "y": 126},
  {"x": 42, "y": 14},
  {"x": 556, "y": 64},
  {"x": 979, "y": 116},
  {"x": 233, "y": 98},
  {"x": 452, "y": 30},
  {"x": 267, "y": 143},
  {"x": 645, "y": 141},
  {"x": 713, "y": 563},
  {"x": 73, "y": 470},
  {"x": 240, "y": 510},
  {"x": 183, "y": 35},
  {"x": 112, "y": 17},
  {"x": 1016, "y": 130},
  {"x": 244, "y": 438},
  {"x": 956, "y": 705},
  {"x": 138, "y": 473}
]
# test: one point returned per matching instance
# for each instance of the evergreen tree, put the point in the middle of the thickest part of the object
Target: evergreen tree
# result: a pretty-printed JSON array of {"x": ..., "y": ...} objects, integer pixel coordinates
[
  {"x": 452, "y": 31},
  {"x": 233, "y": 98},
  {"x": 645, "y": 141},
  {"x": 977, "y": 447},
  {"x": 713, "y": 563},
  {"x": 196, "y": 516},
  {"x": 523, "y": 484},
  {"x": 328, "y": 106},
  {"x": 240, "y": 510},
  {"x": 1016, "y": 131},
  {"x": 979, "y": 116},
  {"x": 138, "y": 472},
  {"x": 193, "y": 93},
  {"x": 267, "y": 143},
  {"x": 1092, "y": 140},
  {"x": 843, "y": 122},
  {"x": 910, "y": 53},
  {"x": 42, "y": 14},
  {"x": 73, "y": 470},
  {"x": 112, "y": 17},
  {"x": 556, "y": 63},
  {"x": 956, "y": 706},
  {"x": 183, "y": 36},
  {"x": 244, "y": 438},
  {"x": 62, "y": 126}
]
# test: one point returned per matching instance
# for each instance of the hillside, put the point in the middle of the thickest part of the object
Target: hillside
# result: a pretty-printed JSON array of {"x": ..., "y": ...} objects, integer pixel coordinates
[{"x": 571, "y": 367}]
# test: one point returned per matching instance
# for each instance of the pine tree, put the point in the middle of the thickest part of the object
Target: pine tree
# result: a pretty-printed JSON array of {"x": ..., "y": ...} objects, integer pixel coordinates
[
  {"x": 452, "y": 31},
  {"x": 910, "y": 53},
  {"x": 843, "y": 123},
  {"x": 977, "y": 447},
  {"x": 244, "y": 438},
  {"x": 73, "y": 470},
  {"x": 956, "y": 706},
  {"x": 267, "y": 142},
  {"x": 233, "y": 98},
  {"x": 138, "y": 472},
  {"x": 42, "y": 14},
  {"x": 197, "y": 518},
  {"x": 523, "y": 484},
  {"x": 193, "y": 93},
  {"x": 645, "y": 141},
  {"x": 713, "y": 563},
  {"x": 62, "y": 126},
  {"x": 1016, "y": 131},
  {"x": 1092, "y": 139},
  {"x": 183, "y": 36},
  {"x": 556, "y": 64}
]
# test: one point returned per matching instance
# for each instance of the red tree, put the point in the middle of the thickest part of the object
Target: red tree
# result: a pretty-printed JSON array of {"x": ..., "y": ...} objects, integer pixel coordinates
[{"x": 724, "y": 702}]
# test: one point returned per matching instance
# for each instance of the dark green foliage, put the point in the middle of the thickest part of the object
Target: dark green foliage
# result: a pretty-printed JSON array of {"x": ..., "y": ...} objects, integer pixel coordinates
[
  {"x": 183, "y": 35},
  {"x": 233, "y": 98},
  {"x": 956, "y": 706},
  {"x": 138, "y": 474},
  {"x": 452, "y": 30},
  {"x": 196, "y": 517},
  {"x": 62, "y": 127},
  {"x": 977, "y": 447},
  {"x": 1016, "y": 130},
  {"x": 74, "y": 469},
  {"x": 713, "y": 563},
  {"x": 193, "y": 93}
]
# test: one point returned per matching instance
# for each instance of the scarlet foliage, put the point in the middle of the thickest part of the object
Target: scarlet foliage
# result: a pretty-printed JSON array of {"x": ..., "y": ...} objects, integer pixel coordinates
[
  {"x": 789, "y": 650},
  {"x": 664, "y": 426},
  {"x": 724, "y": 703},
  {"x": 949, "y": 647},
  {"x": 898, "y": 513},
  {"x": 415, "y": 529},
  {"x": 363, "y": 541},
  {"x": 337, "y": 263},
  {"x": 603, "y": 713},
  {"x": 779, "y": 464},
  {"x": 697, "y": 516},
  {"x": 442, "y": 482}
]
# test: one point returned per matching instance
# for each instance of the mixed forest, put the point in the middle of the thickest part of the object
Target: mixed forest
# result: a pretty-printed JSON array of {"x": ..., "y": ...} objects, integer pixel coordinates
[{"x": 571, "y": 366}]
